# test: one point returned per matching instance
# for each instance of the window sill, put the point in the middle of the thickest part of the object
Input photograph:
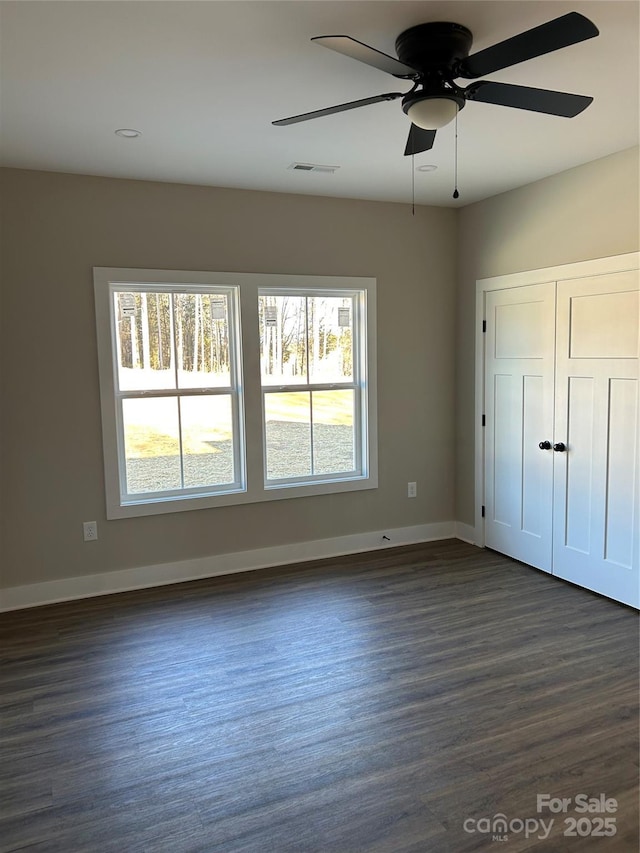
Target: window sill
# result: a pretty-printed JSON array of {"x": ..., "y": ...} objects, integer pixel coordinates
[{"x": 163, "y": 506}]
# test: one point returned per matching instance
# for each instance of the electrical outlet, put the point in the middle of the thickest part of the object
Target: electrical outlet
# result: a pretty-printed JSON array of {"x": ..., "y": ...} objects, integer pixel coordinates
[
  {"x": 412, "y": 490},
  {"x": 90, "y": 530}
]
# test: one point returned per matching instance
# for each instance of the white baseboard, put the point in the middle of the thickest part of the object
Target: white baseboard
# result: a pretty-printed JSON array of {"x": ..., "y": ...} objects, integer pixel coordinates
[
  {"x": 466, "y": 532},
  {"x": 87, "y": 586}
]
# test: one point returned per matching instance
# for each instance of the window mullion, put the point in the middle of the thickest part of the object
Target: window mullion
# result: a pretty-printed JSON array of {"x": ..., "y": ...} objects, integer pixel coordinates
[
  {"x": 174, "y": 345},
  {"x": 306, "y": 309},
  {"x": 357, "y": 365},
  {"x": 306, "y": 337},
  {"x": 175, "y": 375},
  {"x": 312, "y": 386},
  {"x": 313, "y": 467},
  {"x": 222, "y": 391},
  {"x": 179, "y": 401},
  {"x": 236, "y": 372}
]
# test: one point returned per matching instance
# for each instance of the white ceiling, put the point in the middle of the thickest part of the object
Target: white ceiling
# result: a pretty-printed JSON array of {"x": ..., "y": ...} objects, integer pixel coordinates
[{"x": 204, "y": 80}]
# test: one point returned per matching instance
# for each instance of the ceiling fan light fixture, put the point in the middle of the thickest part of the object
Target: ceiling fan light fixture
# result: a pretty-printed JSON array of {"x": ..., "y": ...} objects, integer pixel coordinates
[{"x": 432, "y": 112}]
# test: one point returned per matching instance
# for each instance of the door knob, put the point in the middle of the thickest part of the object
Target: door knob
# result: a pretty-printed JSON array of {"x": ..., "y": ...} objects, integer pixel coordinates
[
  {"x": 545, "y": 445},
  {"x": 560, "y": 447}
]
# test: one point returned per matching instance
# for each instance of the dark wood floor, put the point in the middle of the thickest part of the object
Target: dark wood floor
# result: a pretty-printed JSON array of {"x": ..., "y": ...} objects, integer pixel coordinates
[{"x": 370, "y": 703}]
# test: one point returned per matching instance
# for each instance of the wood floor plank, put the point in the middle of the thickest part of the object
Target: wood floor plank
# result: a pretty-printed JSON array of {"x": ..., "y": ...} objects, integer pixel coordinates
[{"x": 364, "y": 704}]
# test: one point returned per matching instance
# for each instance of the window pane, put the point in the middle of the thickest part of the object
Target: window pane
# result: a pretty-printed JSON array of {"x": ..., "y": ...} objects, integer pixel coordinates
[
  {"x": 330, "y": 338},
  {"x": 144, "y": 341},
  {"x": 152, "y": 446},
  {"x": 288, "y": 434},
  {"x": 202, "y": 340},
  {"x": 283, "y": 340},
  {"x": 207, "y": 440},
  {"x": 333, "y": 433}
]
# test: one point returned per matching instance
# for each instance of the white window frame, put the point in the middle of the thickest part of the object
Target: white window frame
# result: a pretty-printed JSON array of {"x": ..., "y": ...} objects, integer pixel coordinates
[
  {"x": 233, "y": 390},
  {"x": 252, "y": 488},
  {"x": 358, "y": 385}
]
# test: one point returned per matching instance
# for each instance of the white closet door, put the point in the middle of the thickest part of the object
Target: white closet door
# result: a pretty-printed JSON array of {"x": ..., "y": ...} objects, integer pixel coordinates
[
  {"x": 596, "y": 494},
  {"x": 519, "y": 367}
]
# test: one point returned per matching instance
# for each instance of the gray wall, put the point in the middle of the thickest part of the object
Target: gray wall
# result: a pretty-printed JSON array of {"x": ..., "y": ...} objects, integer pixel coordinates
[
  {"x": 56, "y": 227},
  {"x": 587, "y": 212}
]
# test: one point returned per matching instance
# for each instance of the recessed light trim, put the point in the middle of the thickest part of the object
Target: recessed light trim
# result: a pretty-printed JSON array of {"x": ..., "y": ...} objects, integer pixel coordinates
[
  {"x": 128, "y": 132},
  {"x": 427, "y": 167}
]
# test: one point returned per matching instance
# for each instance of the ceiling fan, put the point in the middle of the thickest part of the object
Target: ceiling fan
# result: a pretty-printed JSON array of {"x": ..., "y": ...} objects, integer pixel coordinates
[{"x": 434, "y": 55}]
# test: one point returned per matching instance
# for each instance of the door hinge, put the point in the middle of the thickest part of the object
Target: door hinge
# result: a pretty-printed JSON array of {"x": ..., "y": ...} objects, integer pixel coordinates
[
  {"x": 484, "y": 325},
  {"x": 484, "y": 420},
  {"x": 483, "y": 511}
]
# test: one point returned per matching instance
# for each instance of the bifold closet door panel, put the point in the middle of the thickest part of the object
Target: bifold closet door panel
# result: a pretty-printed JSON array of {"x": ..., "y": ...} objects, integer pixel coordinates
[
  {"x": 596, "y": 523},
  {"x": 519, "y": 364}
]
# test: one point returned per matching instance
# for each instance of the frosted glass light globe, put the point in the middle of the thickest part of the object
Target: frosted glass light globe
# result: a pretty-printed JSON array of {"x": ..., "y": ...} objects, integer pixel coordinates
[{"x": 432, "y": 113}]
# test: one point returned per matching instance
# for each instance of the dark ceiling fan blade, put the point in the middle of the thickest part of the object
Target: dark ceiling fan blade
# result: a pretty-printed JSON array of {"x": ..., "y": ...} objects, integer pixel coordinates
[
  {"x": 339, "y": 108},
  {"x": 363, "y": 53},
  {"x": 524, "y": 98},
  {"x": 561, "y": 32},
  {"x": 419, "y": 140}
]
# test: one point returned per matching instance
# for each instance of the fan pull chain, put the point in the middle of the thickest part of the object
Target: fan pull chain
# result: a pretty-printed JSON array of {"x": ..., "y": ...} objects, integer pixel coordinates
[
  {"x": 456, "y": 194},
  {"x": 413, "y": 184}
]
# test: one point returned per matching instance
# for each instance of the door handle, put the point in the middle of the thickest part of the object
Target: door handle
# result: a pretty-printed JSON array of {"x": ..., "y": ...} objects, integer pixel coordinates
[
  {"x": 560, "y": 447},
  {"x": 545, "y": 445}
]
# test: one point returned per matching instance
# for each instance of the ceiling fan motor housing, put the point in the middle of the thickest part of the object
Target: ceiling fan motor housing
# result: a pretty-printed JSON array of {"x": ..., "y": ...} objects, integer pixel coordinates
[
  {"x": 433, "y": 46},
  {"x": 434, "y": 50}
]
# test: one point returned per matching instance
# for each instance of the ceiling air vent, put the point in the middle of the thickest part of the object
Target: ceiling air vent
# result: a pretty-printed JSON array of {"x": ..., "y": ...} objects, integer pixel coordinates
[{"x": 313, "y": 167}]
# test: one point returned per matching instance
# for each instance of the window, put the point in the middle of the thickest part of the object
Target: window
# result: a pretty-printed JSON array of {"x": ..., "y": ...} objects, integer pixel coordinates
[
  {"x": 233, "y": 388},
  {"x": 176, "y": 390},
  {"x": 312, "y": 383}
]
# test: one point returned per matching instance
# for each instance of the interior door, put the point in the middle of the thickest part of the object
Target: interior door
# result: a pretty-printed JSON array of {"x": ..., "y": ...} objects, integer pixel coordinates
[
  {"x": 597, "y": 491},
  {"x": 519, "y": 399}
]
